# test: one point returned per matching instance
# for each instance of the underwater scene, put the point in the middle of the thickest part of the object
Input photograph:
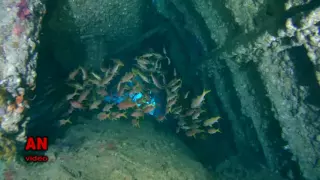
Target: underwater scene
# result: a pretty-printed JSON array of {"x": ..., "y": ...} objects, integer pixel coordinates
[{"x": 160, "y": 90}]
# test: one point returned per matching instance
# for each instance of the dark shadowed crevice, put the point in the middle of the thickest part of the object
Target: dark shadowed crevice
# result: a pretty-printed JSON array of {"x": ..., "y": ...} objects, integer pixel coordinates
[
  {"x": 298, "y": 12},
  {"x": 271, "y": 13},
  {"x": 228, "y": 142},
  {"x": 244, "y": 123},
  {"x": 49, "y": 103},
  {"x": 205, "y": 32},
  {"x": 303, "y": 8},
  {"x": 225, "y": 140},
  {"x": 273, "y": 131},
  {"x": 304, "y": 71}
]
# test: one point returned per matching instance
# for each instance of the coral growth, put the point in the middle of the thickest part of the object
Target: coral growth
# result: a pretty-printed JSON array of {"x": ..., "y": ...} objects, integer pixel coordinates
[
  {"x": 17, "y": 29},
  {"x": 19, "y": 104},
  {"x": 23, "y": 12}
]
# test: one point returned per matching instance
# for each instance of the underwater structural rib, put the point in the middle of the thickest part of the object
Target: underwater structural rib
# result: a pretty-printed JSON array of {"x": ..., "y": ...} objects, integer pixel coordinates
[{"x": 159, "y": 29}]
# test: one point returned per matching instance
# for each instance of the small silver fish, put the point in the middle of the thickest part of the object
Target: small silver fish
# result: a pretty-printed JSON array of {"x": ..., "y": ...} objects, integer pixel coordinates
[
  {"x": 157, "y": 65},
  {"x": 104, "y": 69},
  {"x": 172, "y": 102},
  {"x": 122, "y": 88},
  {"x": 163, "y": 79},
  {"x": 173, "y": 82},
  {"x": 171, "y": 96},
  {"x": 156, "y": 82},
  {"x": 142, "y": 61},
  {"x": 117, "y": 65},
  {"x": 76, "y": 86},
  {"x": 196, "y": 102},
  {"x": 83, "y": 95},
  {"x": 176, "y": 88},
  {"x": 126, "y": 78},
  {"x": 106, "y": 80},
  {"x": 177, "y": 110},
  {"x": 84, "y": 74},
  {"x": 186, "y": 95},
  {"x": 164, "y": 50},
  {"x": 137, "y": 114},
  {"x": 189, "y": 112},
  {"x": 196, "y": 115},
  {"x": 73, "y": 74},
  {"x": 142, "y": 67},
  {"x": 211, "y": 121},
  {"x": 70, "y": 96},
  {"x": 141, "y": 75},
  {"x": 93, "y": 81},
  {"x": 213, "y": 131},
  {"x": 107, "y": 107},
  {"x": 95, "y": 104},
  {"x": 64, "y": 121},
  {"x": 149, "y": 55},
  {"x": 96, "y": 76}
]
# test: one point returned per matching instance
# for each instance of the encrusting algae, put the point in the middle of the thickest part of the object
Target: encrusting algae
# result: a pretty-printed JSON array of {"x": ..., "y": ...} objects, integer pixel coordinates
[
  {"x": 11, "y": 107},
  {"x": 7, "y": 149},
  {"x": 2, "y": 97},
  {"x": 92, "y": 89}
]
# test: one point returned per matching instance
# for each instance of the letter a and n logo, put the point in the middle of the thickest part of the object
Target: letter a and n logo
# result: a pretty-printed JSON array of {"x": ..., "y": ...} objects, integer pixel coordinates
[{"x": 36, "y": 144}]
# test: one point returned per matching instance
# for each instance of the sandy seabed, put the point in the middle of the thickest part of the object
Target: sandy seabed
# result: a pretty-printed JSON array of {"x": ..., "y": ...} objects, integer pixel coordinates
[{"x": 115, "y": 150}]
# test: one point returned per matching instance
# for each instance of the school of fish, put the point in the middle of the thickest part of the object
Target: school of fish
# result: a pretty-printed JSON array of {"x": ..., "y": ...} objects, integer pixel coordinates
[{"x": 90, "y": 89}]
